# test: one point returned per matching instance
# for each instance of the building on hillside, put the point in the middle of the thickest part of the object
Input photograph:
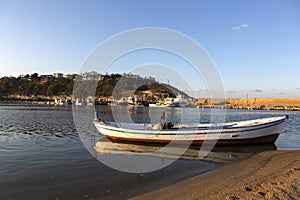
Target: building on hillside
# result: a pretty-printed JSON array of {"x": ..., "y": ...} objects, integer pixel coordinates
[
  {"x": 58, "y": 75},
  {"x": 70, "y": 76},
  {"x": 45, "y": 78},
  {"x": 150, "y": 78},
  {"x": 92, "y": 76},
  {"x": 130, "y": 75}
]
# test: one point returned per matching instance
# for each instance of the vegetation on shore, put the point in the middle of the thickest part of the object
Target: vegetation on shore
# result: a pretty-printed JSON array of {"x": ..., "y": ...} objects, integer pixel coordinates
[
  {"x": 35, "y": 87},
  {"x": 252, "y": 103},
  {"x": 32, "y": 86}
]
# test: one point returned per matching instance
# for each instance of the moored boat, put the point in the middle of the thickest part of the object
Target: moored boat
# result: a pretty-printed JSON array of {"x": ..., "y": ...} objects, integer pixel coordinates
[{"x": 258, "y": 131}]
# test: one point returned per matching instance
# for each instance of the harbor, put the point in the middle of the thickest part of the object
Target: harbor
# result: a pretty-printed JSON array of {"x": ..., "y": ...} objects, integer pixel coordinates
[
  {"x": 287, "y": 104},
  {"x": 149, "y": 100}
]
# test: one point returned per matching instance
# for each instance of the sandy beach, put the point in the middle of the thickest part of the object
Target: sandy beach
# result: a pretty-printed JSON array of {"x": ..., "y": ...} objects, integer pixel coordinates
[{"x": 266, "y": 175}]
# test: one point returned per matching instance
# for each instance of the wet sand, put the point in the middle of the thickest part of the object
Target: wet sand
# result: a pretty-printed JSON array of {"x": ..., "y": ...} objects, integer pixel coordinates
[
  {"x": 266, "y": 175},
  {"x": 89, "y": 179}
]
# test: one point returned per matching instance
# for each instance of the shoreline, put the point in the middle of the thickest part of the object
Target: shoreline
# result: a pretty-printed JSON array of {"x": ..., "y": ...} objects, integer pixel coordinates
[
  {"x": 267, "y": 175},
  {"x": 44, "y": 103}
]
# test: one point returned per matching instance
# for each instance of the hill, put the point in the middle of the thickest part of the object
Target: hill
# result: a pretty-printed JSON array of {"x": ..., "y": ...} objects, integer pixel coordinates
[{"x": 33, "y": 87}]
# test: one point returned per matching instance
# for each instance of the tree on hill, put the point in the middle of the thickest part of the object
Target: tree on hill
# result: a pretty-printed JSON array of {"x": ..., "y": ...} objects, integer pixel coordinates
[{"x": 34, "y": 77}]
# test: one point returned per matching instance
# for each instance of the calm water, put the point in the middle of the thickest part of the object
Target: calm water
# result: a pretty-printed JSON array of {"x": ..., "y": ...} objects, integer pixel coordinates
[{"x": 42, "y": 156}]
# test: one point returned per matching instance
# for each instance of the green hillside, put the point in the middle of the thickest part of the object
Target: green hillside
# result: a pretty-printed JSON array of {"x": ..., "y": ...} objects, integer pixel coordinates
[{"x": 116, "y": 85}]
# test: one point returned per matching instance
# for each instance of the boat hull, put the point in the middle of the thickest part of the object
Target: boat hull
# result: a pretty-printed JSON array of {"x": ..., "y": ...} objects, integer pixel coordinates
[
  {"x": 269, "y": 139},
  {"x": 265, "y": 133}
]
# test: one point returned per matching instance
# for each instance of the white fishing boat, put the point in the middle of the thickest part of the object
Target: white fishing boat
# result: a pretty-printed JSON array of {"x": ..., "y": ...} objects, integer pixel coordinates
[
  {"x": 258, "y": 131},
  {"x": 58, "y": 101},
  {"x": 174, "y": 102},
  {"x": 154, "y": 105},
  {"x": 179, "y": 101},
  {"x": 79, "y": 102}
]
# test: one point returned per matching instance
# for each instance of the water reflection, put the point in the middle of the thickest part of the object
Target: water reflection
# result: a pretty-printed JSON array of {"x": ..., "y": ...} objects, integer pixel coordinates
[
  {"x": 221, "y": 154},
  {"x": 136, "y": 112}
]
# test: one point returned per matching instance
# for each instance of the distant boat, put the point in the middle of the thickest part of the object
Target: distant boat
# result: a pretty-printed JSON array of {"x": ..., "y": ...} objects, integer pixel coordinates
[
  {"x": 79, "y": 102},
  {"x": 169, "y": 102},
  {"x": 68, "y": 102},
  {"x": 258, "y": 131},
  {"x": 179, "y": 101},
  {"x": 59, "y": 101},
  {"x": 121, "y": 102},
  {"x": 90, "y": 101},
  {"x": 175, "y": 102},
  {"x": 154, "y": 105},
  {"x": 101, "y": 102},
  {"x": 133, "y": 101}
]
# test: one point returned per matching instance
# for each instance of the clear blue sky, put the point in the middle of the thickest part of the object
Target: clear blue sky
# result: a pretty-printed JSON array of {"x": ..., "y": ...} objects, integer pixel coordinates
[{"x": 255, "y": 44}]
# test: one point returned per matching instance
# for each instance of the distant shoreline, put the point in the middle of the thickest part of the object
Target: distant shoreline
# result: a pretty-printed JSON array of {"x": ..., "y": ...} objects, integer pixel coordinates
[
  {"x": 284, "y": 104},
  {"x": 290, "y": 104}
]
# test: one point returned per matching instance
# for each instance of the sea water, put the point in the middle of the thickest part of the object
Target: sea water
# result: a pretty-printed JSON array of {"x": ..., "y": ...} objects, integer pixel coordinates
[{"x": 42, "y": 156}]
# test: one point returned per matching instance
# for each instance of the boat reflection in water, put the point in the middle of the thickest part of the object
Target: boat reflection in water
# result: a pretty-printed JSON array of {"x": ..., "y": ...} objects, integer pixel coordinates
[{"x": 219, "y": 154}]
